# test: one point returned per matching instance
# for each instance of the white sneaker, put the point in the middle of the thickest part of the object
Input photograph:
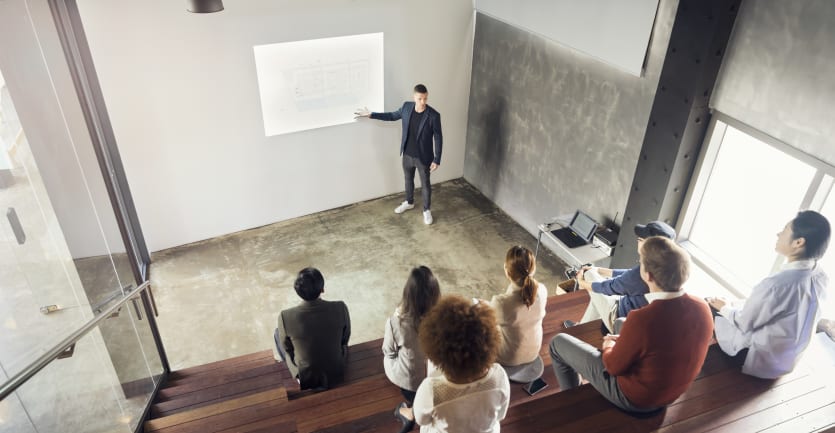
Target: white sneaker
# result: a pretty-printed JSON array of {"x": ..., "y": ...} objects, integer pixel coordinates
[
  {"x": 427, "y": 217},
  {"x": 403, "y": 207}
]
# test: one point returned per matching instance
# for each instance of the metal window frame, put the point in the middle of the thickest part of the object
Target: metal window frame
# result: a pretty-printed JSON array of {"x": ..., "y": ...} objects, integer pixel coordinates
[{"x": 818, "y": 190}]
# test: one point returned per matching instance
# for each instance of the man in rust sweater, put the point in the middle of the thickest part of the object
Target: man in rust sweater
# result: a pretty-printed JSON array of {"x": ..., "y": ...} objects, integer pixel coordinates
[{"x": 659, "y": 349}]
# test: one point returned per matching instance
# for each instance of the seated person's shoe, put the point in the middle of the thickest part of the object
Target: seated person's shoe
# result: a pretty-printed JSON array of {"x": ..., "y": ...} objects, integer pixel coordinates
[
  {"x": 408, "y": 424},
  {"x": 569, "y": 285}
]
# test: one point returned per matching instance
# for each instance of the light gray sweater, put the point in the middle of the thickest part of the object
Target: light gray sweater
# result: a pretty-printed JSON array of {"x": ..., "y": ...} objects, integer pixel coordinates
[{"x": 404, "y": 362}]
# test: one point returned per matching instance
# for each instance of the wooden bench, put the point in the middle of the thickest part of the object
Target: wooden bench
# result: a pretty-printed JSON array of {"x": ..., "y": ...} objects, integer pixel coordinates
[
  {"x": 255, "y": 394},
  {"x": 720, "y": 399}
]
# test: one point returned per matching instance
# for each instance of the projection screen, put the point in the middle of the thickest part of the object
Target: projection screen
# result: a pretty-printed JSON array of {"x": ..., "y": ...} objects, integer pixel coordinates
[{"x": 320, "y": 82}]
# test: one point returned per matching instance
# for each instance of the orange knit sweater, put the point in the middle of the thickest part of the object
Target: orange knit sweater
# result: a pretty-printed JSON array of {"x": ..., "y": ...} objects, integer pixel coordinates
[{"x": 660, "y": 350}]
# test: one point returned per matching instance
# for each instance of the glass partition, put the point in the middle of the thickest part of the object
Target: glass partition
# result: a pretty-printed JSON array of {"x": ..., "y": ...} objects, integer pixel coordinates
[
  {"x": 62, "y": 251},
  {"x": 91, "y": 388}
]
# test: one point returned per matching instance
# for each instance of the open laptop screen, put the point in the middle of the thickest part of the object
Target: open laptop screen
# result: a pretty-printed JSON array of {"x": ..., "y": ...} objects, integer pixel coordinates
[{"x": 583, "y": 225}]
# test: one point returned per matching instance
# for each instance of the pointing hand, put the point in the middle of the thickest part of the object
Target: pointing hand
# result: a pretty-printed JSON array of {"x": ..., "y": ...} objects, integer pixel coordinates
[{"x": 362, "y": 112}]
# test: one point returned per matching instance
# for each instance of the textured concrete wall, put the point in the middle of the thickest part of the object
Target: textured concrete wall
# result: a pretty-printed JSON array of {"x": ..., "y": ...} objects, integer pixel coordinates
[
  {"x": 551, "y": 129},
  {"x": 779, "y": 73}
]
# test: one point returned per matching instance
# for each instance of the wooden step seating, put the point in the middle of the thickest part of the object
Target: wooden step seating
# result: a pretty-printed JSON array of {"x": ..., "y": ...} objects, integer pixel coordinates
[
  {"x": 253, "y": 393},
  {"x": 218, "y": 381},
  {"x": 721, "y": 399}
]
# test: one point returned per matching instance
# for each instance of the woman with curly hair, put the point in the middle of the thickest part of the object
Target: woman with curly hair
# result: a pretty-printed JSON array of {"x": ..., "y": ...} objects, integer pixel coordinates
[
  {"x": 404, "y": 362},
  {"x": 468, "y": 392},
  {"x": 520, "y": 309}
]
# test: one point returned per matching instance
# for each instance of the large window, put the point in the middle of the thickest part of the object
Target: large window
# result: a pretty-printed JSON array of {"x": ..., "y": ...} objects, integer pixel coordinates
[{"x": 747, "y": 187}]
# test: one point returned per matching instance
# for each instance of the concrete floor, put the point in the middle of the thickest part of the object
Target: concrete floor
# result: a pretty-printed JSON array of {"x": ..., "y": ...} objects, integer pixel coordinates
[{"x": 220, "y": 298}]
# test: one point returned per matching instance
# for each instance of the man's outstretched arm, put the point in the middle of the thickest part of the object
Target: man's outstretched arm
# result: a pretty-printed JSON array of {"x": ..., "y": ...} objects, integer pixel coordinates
[{"x": 390, "y": 116}]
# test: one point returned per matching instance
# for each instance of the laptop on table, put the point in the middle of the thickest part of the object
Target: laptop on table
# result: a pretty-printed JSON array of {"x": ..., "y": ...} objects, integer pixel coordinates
[{"x": 579, "y": 231}]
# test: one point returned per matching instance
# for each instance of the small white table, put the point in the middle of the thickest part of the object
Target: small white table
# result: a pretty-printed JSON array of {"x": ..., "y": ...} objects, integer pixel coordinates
[{"x": 572, "y": 256}]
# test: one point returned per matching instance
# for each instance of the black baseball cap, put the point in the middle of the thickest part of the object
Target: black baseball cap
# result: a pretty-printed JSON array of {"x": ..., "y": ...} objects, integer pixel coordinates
[{"x": 655, "y": 228}]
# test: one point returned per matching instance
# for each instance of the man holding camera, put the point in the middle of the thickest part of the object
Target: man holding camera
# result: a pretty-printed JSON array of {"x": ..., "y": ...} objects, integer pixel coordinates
[{"x": 613, "y": 293}]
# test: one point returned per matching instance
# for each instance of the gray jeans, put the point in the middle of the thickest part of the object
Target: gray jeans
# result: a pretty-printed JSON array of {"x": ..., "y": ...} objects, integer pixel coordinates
[
  {"x": 410, "y": 164},
  {"x": 570, "y": 355}
]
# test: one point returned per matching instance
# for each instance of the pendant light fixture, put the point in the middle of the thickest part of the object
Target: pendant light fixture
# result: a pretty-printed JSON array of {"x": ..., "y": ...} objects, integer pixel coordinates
[{"x": 205, "y": 6}]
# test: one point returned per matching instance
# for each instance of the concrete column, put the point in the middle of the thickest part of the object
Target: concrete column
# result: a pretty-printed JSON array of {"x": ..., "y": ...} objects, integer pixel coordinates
[{"x": 678, "y": 119}]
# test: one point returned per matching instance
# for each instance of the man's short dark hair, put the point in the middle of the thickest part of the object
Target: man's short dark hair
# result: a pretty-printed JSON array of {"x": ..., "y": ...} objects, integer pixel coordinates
[
  {"x": 309, "y": 284},
  {"x": 814, "y": 228},
  {"x": 420, "y": 88}
]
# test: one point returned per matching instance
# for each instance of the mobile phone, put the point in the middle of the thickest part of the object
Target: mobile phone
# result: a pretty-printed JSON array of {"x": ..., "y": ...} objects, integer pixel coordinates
[{"x": 535, "y": 386}]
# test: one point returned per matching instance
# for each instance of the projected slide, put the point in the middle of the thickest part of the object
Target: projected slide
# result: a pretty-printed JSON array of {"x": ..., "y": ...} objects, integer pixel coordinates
[{"x": 320, "y": 82}]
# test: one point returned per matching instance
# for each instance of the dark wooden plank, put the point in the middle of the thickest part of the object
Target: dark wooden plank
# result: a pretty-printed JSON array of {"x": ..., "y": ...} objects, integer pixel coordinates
[
  {"x": 746, "y": 406},
  {"x": 200, "y": 369},
  {"x": 554, "y": 412},
  {"x": 216, "y": 394},
  {"x": 374, "y": 402},
  {"x": 276, "y": 427},
  {"x": 789, "y": 413},
  {"x": 318, "y": 411},
  {"x": 700, "y": 401},
  {"x": 244, "y": 365},
  {"x": 222, "y": 408},
  {"x": 381, "y": 422},
  {"x": 210, "y": 381}
]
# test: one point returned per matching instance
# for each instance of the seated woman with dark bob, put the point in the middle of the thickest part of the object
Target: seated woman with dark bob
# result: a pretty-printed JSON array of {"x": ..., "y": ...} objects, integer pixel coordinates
[
  {"x": 468, "y": 392},
  {"x": 777, "y": 321}
]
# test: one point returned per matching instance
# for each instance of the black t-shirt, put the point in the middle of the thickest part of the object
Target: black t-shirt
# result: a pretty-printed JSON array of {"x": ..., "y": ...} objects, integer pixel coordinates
[{"x": 412, "y": 148}]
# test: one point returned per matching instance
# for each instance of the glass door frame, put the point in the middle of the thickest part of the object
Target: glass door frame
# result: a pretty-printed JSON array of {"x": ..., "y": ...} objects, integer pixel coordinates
[{"x": 82, "y": 69}]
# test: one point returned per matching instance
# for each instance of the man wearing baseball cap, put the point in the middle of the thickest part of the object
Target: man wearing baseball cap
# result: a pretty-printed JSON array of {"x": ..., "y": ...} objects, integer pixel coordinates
[{"x": 614, "y": 293}]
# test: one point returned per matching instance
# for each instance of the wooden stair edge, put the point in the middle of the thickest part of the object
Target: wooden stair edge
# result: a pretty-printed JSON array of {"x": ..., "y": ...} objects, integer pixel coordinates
[
  {"x": 200, "y": 399},
  {"x": 215, "y": 408},
  {"x": 208, "y": 367},
  {"x": 243, "y": 365}
]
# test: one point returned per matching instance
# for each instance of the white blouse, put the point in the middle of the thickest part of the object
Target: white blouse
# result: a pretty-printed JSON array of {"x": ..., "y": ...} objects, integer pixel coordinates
[{"x": 477, "y": 407}]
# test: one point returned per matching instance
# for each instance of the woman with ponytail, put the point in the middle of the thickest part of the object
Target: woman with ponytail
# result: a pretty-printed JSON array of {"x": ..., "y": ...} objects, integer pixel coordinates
[{"x": 520, "y": 309}]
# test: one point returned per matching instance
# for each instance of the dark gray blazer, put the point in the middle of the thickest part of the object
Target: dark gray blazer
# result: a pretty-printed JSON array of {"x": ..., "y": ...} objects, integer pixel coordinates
[
  {"x": 429, "y": 128},
  {"x": 315, "y": 336}
]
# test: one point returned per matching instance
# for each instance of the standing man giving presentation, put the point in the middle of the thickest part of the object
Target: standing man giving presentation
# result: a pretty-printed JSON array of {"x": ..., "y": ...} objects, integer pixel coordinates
[{"x": 421, "y": 123}]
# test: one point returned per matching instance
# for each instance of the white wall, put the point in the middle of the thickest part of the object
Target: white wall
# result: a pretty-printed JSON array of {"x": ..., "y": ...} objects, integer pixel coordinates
[
  {"x": 42, "y": 91},
  {"x": 182, "y": 94}
]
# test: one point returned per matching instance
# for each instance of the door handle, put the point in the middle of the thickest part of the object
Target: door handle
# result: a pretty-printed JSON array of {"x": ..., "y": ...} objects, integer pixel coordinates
[{"x": 14, "y": 221}]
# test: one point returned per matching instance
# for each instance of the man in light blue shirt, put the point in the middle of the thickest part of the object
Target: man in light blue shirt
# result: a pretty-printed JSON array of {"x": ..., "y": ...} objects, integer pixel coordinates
[{"x": 777, "y": 321}]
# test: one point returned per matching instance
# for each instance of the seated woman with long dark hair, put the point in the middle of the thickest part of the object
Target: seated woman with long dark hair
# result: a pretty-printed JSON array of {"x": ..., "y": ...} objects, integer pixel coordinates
[
  {"x": 404, "y": 362},
  {"x": 468, "y": 392}
]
